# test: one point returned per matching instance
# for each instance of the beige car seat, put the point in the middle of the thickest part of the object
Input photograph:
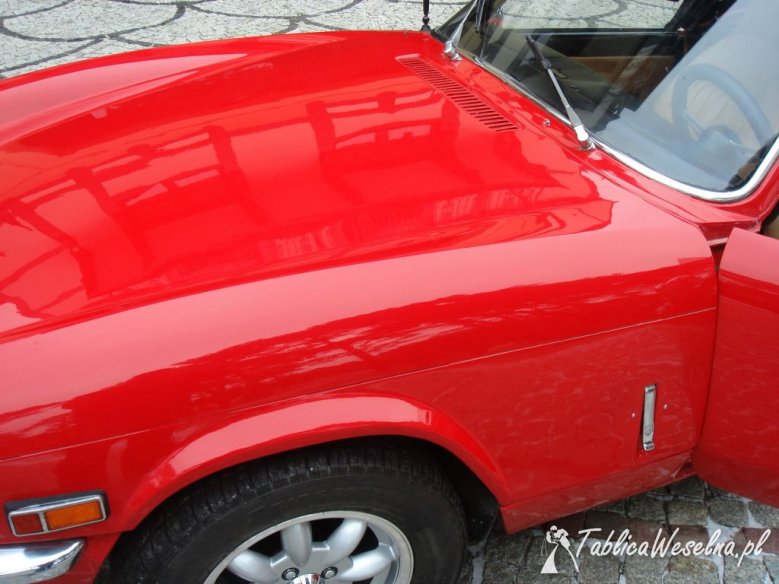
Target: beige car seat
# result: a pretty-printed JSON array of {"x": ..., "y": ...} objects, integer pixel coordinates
[{"x": 749, "y": 55}]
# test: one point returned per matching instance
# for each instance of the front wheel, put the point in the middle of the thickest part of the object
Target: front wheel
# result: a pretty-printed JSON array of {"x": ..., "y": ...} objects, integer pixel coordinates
[
  {"x": 365, "y": 515},
  {"x": 330, "y": 546}
]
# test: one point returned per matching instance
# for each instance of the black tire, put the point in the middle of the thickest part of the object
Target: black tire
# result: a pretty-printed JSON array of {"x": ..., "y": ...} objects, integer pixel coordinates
[{"x": 184, "y": 541}]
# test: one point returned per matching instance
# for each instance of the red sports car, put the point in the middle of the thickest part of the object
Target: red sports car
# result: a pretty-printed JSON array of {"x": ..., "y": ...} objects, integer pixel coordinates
[{"x": 320, "y": 307}]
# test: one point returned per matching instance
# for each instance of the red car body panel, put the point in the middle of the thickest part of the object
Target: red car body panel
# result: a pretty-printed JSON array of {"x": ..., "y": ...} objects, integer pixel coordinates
[
  {"x": 744, "y": 398},
  {"x": 217, "y": 253}
]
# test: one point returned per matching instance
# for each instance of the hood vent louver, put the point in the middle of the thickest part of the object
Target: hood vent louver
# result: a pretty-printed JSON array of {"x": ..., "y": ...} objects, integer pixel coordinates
[{"x": 461, "y": 96}]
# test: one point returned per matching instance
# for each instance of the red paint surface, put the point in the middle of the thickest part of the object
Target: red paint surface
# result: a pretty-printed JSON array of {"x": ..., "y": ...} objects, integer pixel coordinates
[
  {"x": 739, "y": 448},
  {"x": 216, "y": 253}
]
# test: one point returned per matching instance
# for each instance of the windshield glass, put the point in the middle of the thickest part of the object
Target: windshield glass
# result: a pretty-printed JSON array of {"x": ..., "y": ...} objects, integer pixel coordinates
[{"x": 686, "y": 88}]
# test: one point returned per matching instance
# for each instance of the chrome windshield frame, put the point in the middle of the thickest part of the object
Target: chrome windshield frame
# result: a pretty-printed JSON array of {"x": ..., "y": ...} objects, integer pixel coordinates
[
  {"x": 732, "y": 196},
  {"x": 699, "y": 193}
]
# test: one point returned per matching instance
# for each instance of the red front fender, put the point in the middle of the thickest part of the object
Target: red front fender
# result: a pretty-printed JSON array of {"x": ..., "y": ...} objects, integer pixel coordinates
[
  {"x": 139, "y": 471},
  {"x": 258, "y": 433}
]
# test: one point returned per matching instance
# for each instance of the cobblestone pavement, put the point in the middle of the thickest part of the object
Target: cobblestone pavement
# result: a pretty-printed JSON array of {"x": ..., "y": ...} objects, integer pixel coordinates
[
  {"x": 696, "y": 509},
  {"x": 41, "y": 33}
]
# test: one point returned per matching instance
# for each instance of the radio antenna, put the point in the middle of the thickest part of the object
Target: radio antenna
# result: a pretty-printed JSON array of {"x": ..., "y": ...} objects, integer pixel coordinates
[{"x": 425, "y": 17}]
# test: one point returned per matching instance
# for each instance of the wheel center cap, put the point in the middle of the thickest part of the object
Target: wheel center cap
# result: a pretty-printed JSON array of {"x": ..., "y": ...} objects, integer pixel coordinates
[{"x": 306, "y": 579}]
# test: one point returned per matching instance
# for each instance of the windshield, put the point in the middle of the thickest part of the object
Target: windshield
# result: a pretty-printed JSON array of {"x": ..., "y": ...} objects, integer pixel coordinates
[{"x": 688, "y": 89}]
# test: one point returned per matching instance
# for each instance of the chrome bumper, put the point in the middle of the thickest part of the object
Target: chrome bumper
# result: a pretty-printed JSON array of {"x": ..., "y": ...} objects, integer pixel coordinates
[{"x": 37, "y": 562}]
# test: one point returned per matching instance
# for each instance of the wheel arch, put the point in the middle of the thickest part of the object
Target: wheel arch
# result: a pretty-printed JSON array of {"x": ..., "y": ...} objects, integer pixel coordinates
[{"x": 327, "y": 420}]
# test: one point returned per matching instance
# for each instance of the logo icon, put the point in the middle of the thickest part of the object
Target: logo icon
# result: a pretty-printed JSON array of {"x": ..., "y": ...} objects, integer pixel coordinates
[{"x": 558, "y": 537}]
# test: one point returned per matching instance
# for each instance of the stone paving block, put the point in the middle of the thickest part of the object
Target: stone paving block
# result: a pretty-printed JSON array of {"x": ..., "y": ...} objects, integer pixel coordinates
[
  {"x": 691, "y": 488},
  {"x": 510, "y": 549},
  {"x": 537, "y": 579},
  {"x": 606, "y": 522},
  {"x": 98, "y": 49},
  {"x": 715, "y": 492},
  {"x": 644, "y": 570},
  {"x": 687, "y": 513},
  {"x": 379, "y": 14},
  {"x": 740, "y": 540},
  {"x": 755, "y": 534},
  {"x": 275, "y": 9},
  {"x": 646, "y": 508},
  {"x": 303, "y": 26},
  {"x": 772, "y": 565},
  {"x": 18, "y": 52},
  {"x": 749, "y": 572},
  {"x": 725, "y": 535},
  {"x": 164, "y": 1},
  {"x": 730, "y": 512},
  {"x": 646, "y": 531},
  {"x": 61, "y": 31},
  {"x": 684, "y": 570},
  {"x": 767, "y": 516},
  {"x": 688, "y": 533},
  {"x": 661, "y": 493},
  {"x": 89, "y": 20},
  {"x": 500, "y": 573},
  {"x": 196, "y": 25},
  {"x": 598, "y": 569},
  {"x": 19, "y": 7}
]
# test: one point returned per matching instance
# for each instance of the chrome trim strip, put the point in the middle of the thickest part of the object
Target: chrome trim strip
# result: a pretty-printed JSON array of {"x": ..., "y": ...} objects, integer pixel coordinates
[
  {"x": 648, "y": 422},
  {"x": 37, "y": 562},
  {"x": 714, "y": 196},
  {"x": 699, "y": 193},
  {"x": 40, "y": 509}
]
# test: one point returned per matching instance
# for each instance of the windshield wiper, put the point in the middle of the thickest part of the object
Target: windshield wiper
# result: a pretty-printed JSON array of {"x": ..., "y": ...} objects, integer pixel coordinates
[{"x": 576, "y": 122}]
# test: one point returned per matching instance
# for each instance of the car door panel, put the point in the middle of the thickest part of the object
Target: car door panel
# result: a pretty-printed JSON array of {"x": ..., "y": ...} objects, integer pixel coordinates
[{"x": 739, "y": 448}]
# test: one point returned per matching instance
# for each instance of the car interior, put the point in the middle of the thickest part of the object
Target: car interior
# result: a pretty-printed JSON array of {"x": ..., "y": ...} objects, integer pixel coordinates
[{"x": 707, "y": 124}]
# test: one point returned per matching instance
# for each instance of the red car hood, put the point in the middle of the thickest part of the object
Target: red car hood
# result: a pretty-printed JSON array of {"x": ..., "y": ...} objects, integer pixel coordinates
[{"x": 145, "y": 176}]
